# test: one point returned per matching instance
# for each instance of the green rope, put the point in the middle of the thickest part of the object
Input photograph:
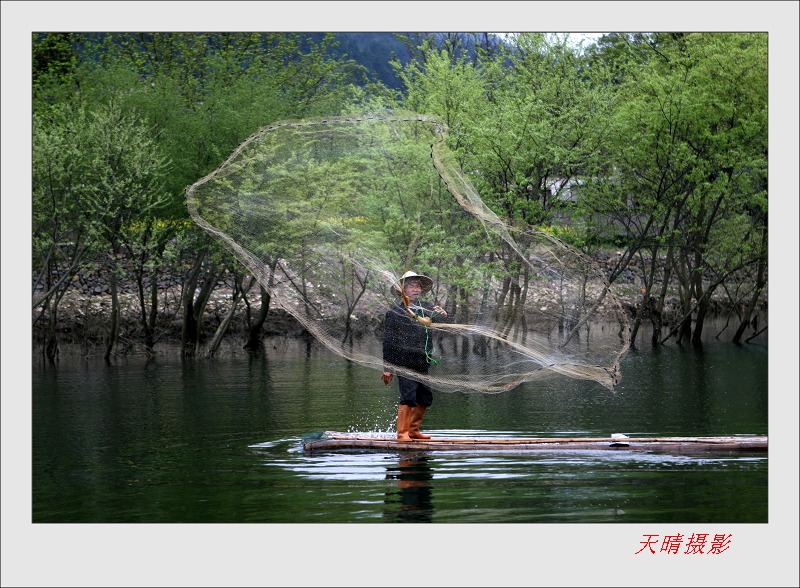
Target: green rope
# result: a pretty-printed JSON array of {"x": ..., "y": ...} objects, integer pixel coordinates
[{"x": 428, "y": 354}]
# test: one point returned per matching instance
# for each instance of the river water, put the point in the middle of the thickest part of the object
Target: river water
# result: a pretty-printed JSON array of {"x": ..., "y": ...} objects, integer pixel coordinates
[{"x": 167, "y": 441}]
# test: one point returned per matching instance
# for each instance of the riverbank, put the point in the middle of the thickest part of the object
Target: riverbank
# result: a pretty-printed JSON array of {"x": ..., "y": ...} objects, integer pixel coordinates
[{"x": 85, "y": 310}]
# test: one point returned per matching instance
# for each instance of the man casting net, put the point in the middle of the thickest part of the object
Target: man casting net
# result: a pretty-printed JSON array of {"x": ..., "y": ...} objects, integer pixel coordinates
[{"x": 328, "y": 214}]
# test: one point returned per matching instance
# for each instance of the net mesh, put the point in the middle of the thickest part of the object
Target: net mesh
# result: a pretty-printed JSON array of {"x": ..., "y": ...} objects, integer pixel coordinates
[{"x": 329, "y": 213}]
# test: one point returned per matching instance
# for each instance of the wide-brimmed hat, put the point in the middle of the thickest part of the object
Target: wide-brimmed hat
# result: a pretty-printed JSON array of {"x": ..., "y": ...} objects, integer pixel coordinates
[{"x": 424, "y": 281}]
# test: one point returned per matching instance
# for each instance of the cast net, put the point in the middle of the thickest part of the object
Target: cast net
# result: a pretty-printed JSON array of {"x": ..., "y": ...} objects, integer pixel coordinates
[{"x": 329, "y": 213}]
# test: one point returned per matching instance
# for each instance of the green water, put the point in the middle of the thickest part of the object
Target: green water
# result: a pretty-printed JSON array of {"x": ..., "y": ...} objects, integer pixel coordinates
[{"x": 221, "y": 442}]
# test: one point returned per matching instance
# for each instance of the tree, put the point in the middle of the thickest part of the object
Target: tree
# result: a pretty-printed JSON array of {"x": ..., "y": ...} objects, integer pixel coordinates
[
  {"x": 526, "y": 119},
  {"x": 687, "y": 165},
  {"x": 54, "y": 63},
  {"x": 201, "y": 95},
  {"x": 62, "y": 240},
  {"x": 95, "y": 173},
  {"x": 126, "y": 177}
]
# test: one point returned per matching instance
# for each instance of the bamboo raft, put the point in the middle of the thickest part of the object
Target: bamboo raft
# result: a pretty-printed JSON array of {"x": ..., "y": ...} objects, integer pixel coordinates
[{"x": 333, "y": 440}]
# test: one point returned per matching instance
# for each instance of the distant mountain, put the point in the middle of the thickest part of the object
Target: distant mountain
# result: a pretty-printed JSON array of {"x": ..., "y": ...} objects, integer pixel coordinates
[
  {"x": 371, "y": 50},
  {"x": 375, "y": 50}
]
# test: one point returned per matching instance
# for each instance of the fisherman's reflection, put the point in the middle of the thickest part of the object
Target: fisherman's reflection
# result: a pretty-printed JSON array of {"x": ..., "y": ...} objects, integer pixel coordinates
[{"x": 411, "y": 502}]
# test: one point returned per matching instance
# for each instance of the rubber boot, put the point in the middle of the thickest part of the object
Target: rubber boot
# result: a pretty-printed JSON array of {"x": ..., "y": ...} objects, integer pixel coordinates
[
  {"x": 417, "y": 413},
  {"x": 403, "y": 422}
]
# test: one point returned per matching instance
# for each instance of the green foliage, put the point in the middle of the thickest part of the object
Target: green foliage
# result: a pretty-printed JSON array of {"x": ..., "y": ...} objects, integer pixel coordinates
[
  {"x": 527, "y": 119},
  {"x": 642, "y": 139},
  {"x": 570, "y": 235},
  {"x": 94, "y": 172},
  {"x": 54, "y": 61}
]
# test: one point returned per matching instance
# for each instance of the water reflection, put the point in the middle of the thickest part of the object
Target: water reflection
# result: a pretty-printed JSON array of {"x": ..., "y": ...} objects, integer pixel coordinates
[{"x": 412, "y": 501}]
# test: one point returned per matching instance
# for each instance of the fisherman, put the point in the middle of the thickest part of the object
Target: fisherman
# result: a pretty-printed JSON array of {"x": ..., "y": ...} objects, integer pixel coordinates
[{"x": 407, "y": 343}]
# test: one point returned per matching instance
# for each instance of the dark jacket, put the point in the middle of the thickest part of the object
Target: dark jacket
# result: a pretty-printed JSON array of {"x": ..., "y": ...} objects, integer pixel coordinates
[{"x": 406, "y": 342}]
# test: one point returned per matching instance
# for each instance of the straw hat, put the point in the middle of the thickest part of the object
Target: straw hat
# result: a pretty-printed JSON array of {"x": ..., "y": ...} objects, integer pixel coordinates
[{"x": 424, "y": 281}]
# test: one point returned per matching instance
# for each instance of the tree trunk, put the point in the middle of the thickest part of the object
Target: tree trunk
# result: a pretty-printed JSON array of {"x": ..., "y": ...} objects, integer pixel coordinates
[
  {"x": 702, "y": 311},
  {"x": 657, "y": 305},
  {"x": 199, "y": 308},
  {"x": 189, "y": 328},
  {"x": 114, "y": 329},
  {"x": 702, "y": 296},
  {"x": 150, "y": 333},
  {"x": 148, "y": 308},
  {"x": 51, "y": 341},
  {"x": 255, "y": 330},
  {"x": 747, "y": 319},
  {"x": 223, "y": 326},
  {"x": 683, "y": 270},
  {"x": 148, "y": 299},
  {"x": 760, "y": 283}
]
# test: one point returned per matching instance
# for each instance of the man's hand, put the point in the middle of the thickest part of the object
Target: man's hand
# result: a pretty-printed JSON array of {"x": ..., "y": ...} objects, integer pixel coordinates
[
  {"x": 387, "y": 377},
  {"x": 439, "y": 310}
]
